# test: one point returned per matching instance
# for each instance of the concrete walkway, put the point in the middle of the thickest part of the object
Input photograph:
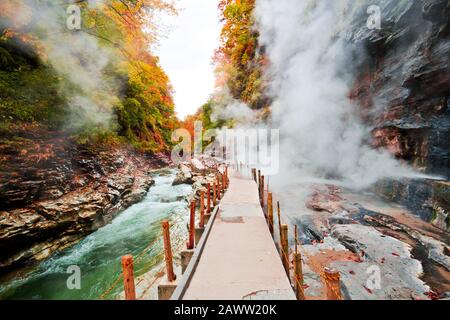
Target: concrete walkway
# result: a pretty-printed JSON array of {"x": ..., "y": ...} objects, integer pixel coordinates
[{"x": 240, "y": 260}]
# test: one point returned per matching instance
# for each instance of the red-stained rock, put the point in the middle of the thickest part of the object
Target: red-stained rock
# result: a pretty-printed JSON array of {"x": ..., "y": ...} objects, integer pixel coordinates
[{"x": 326, "y": 198}]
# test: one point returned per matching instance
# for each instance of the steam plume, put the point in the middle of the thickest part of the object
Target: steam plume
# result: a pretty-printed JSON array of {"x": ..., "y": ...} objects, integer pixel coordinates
[
  {"x": 75, "y": 55},
  {"x": 311, "y": 74}
]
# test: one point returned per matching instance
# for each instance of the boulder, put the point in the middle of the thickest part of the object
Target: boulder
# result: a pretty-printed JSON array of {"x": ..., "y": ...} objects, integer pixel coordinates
[
  {"x": 399, "y": 272},
  {"x": 184, "y": 175}
]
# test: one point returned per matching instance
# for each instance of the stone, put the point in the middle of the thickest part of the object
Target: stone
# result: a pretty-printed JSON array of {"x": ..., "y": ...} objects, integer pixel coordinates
[
  {"x": 198, "y": 234},
  {"x": 399, "y": 272},
  {"x": 184, "y": 175},
  {"x": 186, "y": 257},
  {"x": 166, "y": 289}
]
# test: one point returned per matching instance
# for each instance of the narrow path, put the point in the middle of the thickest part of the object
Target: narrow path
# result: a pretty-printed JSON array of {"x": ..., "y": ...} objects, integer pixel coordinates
[{"x": 240, "y": 260}]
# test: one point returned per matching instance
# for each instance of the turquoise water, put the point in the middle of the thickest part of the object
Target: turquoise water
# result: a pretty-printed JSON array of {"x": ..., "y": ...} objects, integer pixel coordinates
[{"x": 99, "y": 255}]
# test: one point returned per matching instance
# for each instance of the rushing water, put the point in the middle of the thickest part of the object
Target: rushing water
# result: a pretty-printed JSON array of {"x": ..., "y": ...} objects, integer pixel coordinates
[{"x": 98, "y": 255}]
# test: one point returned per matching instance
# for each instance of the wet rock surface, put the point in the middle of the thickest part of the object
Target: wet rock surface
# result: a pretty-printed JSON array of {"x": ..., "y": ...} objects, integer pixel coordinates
[
  {"x": 59, "y": 191},
  {"x": 403, "y": 89},
  {"x": 399, "y": 272},
  {"x": 359, "y": 235},
  {"x": 199, "y": 174},
  {"x": 403, "y": 85},
  {"x": 437, "y": 250},
  {"x": 429, "y": 199}
]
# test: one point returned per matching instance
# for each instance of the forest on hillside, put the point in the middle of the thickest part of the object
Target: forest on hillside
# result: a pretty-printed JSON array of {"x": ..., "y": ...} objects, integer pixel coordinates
[
  {"x": 86, "y": 111},
  {"x": 95, "y": 81}
]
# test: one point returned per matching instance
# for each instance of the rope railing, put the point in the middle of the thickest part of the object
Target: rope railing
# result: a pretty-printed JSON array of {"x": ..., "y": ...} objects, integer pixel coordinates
[
  {"x": 111, "y": 288},
  {"x": 127, "y": 274},
  {"x": 160, "y": 271},
  {"x": 330, "y": 277},
  {"x": 297, "y": 282},
  {"x": 137, "y": 259}
]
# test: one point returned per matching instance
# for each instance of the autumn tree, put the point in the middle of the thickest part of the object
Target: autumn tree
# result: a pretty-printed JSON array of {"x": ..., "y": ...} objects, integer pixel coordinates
[
  {"x": 239, "y": 60},
  {"x": 139, "y": 90}
]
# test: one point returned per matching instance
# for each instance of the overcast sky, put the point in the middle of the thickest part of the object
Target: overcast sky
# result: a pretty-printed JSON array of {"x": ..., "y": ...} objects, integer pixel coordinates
[{"x": 186, "y": 52}]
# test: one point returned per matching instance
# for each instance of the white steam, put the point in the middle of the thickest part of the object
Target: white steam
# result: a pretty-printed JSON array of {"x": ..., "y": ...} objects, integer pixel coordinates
[
  {"x": 310, "y": 72},
  {"x": 226, "y": 108},
  {"x": 236, "y": 110},
  {"x": 76, "y": 56}
]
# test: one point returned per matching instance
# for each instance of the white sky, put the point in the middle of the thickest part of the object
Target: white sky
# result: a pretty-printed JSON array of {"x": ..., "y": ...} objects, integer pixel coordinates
[{"x": 186, "y": 53}]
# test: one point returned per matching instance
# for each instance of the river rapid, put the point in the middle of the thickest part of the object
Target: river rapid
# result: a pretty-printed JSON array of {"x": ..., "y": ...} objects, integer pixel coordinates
[{"x": 98, "y": 256}]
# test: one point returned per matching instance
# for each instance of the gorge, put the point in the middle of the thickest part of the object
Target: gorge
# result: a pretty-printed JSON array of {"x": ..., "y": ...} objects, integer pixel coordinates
[{"x": 86, "y": 124}]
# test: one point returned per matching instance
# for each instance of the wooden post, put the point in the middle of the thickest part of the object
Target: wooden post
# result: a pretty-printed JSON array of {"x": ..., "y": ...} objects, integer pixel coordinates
[
  {"x": 285, "y": 247},
  {"x": 259, "y": 185},
  {"x": 208, "y": 199},
  {"x": 218, "y": 188},
  {"x": 202, "y": 210},
  {"x": 270, "y": 212},
  {"x": 214, "y": 194},
  {"x": 128, "y": 278},
  {"x": 226, "y": 177},
  {"x": 298, "y": 270},
  {"x": 279, "y": 219},
  {"x": 259, "y": 188},
  {"x": 168, "y": 252},
  {"x": 190, "y": 244},
  {"x": 223, "y": 183},
  {"x": 333, "y": 283},
  {"x": 298, "y": 276},
  {"x": 262, "y": 192}
]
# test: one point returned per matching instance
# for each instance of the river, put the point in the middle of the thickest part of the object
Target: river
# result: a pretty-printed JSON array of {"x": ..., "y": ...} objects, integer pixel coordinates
[{"x": 99, "y": 255}]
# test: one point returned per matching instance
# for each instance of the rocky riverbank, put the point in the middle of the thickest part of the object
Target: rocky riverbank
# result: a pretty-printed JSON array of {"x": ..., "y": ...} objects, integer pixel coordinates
[
  {"x": 54, "y": 191},
  {"x": 367, "y": 238},
  {"x": 199, "y": 174}
]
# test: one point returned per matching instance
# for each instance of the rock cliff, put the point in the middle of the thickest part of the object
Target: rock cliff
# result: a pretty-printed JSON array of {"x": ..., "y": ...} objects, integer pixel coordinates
[
  {"x": 403, "y": 86},
  {"x": 54, "y": 191},
  {"x": 404, "y": 83}
]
